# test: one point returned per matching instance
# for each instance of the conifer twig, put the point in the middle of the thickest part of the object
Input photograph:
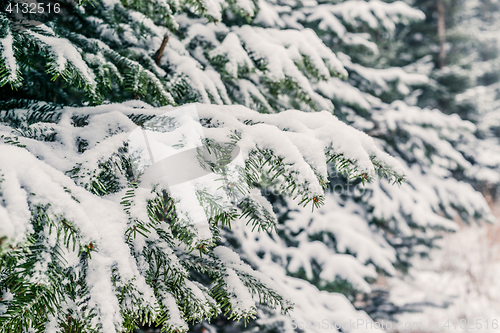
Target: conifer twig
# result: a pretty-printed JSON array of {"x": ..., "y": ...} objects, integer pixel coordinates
[{"x": 159, "y": 53}]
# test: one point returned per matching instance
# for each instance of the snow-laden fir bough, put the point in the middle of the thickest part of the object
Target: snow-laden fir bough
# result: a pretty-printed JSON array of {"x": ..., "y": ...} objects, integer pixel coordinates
[{"x": 85, "y": 247}]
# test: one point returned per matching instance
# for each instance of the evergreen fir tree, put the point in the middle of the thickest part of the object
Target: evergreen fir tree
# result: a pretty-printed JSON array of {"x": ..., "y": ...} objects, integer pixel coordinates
[
  {"x": 466, "y": 83},
  {"x": 437, "y": 47}
]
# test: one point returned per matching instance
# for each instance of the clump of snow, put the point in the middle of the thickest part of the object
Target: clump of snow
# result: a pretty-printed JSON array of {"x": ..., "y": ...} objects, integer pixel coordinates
[
  {"x": 8, "y": 56},
  {"x": 65, "y": 53}
]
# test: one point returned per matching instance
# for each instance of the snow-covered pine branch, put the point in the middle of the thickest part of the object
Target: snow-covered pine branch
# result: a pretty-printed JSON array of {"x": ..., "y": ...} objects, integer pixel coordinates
[{"x": 86, "y": 241}]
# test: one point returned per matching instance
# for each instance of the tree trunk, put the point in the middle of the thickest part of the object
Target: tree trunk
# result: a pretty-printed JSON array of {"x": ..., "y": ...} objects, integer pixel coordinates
[{"x": 441, "y": 32}]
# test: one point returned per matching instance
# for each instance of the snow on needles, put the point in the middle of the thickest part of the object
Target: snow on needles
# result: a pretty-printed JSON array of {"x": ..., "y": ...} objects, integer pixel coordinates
[{"x": 8, "y": 57}]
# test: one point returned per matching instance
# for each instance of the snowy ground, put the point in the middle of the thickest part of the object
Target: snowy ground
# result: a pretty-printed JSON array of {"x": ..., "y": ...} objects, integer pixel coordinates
[{"x": 463, "y": 278}]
